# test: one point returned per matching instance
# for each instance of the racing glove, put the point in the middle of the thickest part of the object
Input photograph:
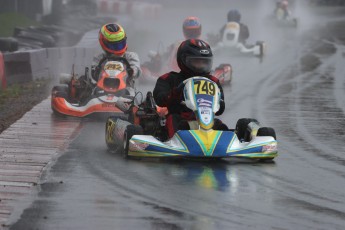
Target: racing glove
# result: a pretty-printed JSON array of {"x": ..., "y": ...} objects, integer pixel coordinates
[
  {"x": 95, "y": 72},
  {"x": 124, "y": 104},
  {"x": 221, "y": 107}
]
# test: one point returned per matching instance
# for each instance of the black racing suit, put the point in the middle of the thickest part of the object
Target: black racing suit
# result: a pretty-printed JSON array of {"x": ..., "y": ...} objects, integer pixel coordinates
[
  {"x": 167, "y": 94},
  {"x": 244, "y": 33}
]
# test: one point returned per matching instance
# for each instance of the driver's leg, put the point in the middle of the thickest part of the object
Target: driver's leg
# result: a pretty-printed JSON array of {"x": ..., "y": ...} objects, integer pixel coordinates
[{"x": 172, "y": 124}]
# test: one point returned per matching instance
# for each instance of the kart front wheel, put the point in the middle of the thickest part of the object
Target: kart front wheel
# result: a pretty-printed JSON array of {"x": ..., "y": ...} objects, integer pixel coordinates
[
  {"x": 130, "y": 131},
  {"x": 109, "y": 133},
  {"x": 267, "y": 131},
  {"x": 242, "y": 132}
]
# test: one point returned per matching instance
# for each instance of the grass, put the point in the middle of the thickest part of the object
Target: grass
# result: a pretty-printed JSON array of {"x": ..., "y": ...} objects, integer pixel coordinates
[
  {"x": 9, "y": 21},
  {"x": 10, "y": 92},
  {"x": 15, "y": 91}
]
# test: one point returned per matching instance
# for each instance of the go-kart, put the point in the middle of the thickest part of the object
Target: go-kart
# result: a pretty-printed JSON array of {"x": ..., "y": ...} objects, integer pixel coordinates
[
  {"x": 229, "y": 43},
  {"x": 80, "y": 96},
  {"x": 161, "y": 64},
  {"x": 279, "y": 19},
  {"x": 144, "y": 135}
]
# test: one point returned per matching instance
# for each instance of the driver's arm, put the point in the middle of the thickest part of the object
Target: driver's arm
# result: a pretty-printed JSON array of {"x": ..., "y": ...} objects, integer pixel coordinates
[
  {"x": 96, "y": 65},
  {"x": 134, "y": 62},
  {"x": 161, "y": 92},
  {"x": 244, "y": 32},
  {"x": 165, "y": 94}
]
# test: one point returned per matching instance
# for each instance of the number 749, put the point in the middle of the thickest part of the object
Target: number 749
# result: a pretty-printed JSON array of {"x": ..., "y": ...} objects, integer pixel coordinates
[{"x": 204, "y": 87}]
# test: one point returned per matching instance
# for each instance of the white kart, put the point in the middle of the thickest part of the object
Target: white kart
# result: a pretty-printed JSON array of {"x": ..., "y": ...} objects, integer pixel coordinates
[{"x": 230, "y": 42}]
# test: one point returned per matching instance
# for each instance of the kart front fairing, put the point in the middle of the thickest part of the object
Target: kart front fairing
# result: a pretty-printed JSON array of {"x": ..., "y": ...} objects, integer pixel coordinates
[
  {"x": 203, "y": 144},
  {"x": 101, "y": 103}
]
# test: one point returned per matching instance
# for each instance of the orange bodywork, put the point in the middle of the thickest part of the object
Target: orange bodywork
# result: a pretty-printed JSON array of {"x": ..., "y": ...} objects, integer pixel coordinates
[
  {"x": 60, "y": 105},
  {"x": 121, "y": 77}
]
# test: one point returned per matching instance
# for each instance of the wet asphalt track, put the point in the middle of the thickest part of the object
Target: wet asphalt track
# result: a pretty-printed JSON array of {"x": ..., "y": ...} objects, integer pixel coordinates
[{"x": 89, "y": 188}]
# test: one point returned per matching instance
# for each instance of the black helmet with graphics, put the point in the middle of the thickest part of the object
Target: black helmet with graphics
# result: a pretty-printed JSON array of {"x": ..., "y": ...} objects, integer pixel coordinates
[{"x": 194, "y": 57}]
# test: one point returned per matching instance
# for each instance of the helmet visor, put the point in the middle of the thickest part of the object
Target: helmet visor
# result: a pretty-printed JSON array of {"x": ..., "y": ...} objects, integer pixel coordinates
[
  {"x": 199, "y": 65},
  {"x": 115, "y": 46}
]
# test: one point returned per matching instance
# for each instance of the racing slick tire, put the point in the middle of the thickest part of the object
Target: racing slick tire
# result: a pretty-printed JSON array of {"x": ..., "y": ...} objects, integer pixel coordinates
[
  {"x": 109, "y": 126},
  {"x": 267, "y": 131},
  {"x": 262, "y": 48},
  {"x": 130, "y": 131},
  {"x": 241, "y": 130}
]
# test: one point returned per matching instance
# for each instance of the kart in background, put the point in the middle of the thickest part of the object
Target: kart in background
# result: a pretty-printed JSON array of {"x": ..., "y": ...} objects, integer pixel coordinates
[
  {"x": 229, "y": 43},
  {"x": 278, "y": 19},
  {"x": 80, "y": 97}
]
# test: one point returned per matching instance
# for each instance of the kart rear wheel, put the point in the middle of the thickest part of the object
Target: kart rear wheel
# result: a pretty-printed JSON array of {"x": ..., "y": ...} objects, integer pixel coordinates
[
  {"x": 130, "y": 131},
  {"x": 267, "y": 131},
  {"x": 262, "y": 46},
  {"x": 242, "y": 132},
  {"x": 109, "y": 130}
]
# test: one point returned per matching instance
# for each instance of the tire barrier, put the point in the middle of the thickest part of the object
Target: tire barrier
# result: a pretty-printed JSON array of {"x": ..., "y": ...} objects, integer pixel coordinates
[
  {"x": 22, "y": 67},
  {"x": 133, "y": 8},
  {"x": 17, "y": 68},
  {"x": 8, "y": 44}
]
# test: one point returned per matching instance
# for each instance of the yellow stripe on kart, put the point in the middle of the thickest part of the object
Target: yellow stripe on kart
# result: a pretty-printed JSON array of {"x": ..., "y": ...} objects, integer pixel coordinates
[{"x": 206, "y": 140}]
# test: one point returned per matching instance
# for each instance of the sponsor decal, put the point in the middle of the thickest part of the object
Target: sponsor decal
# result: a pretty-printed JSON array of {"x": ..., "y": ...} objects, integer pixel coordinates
[
  {"x": 108, "y": 105},
  {"x": 205, "y": 112},
  {"x": 110, "y": 97},
  {"x": 204, "y": 52},
  {"x": 203, "y": 102},
  {"x": 137, "y": 146},
  {"x": 113, "y": 66},
  {"x": 269, "y": 148},
  {"x": 232, "y": 25}
]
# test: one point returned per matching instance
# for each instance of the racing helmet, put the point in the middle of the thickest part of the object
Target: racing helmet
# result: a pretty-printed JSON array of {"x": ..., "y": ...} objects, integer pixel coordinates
[
  {"x": 234, "y": 16},
  {"x": 112, "y": 39},
  {"x": 284, "y": 4},
  {"x": 194, "y": 57},
  {"x": 191, "y": 27}
]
